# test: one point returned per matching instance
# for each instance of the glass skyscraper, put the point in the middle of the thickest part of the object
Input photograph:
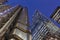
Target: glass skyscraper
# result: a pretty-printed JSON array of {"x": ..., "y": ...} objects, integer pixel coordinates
[
  {"x": 56, "y": 15},
  {"x": 42, "y": 26},
  {"x": 38, "y": 29}
]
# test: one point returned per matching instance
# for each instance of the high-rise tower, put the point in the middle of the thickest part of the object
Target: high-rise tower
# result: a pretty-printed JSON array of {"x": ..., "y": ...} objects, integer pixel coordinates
[
  {"x": 42, "y": 27},
  {"x": 56, "y": 15},
  {"x": 14, "y": 22},
  {"x": 21, "y": 31}
]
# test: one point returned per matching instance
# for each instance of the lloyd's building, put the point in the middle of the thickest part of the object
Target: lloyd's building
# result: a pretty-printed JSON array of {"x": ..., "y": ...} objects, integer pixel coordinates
[{"x": 14, "y": 22}]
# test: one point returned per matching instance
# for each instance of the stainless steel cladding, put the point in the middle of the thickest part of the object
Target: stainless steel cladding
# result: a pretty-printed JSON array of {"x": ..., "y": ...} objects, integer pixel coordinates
[
  {"x": 5, "y": 15},
  {"x": 17, "y": 34},
  {"x": 8, "y": 21},
  {"x": 21, "y": 32}
]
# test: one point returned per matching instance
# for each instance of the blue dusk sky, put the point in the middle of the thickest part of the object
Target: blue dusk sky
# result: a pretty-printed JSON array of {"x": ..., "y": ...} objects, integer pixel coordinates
[{"x": 46, "y": 7}]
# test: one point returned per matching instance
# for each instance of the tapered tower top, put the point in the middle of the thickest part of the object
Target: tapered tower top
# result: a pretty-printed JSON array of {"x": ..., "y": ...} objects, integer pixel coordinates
[{"x": 2, "y": 1}]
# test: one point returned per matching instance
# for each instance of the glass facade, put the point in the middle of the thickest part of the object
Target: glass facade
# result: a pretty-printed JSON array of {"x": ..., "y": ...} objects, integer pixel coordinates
[
  {"x": 41, "y": 26},
  {"x": 39, "y": 29},
  {"x": 56, "y": 15}
]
